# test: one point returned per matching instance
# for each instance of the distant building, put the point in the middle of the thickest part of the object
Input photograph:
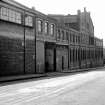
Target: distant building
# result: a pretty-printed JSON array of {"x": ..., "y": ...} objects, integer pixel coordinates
[{"x": 81, "y": 22}]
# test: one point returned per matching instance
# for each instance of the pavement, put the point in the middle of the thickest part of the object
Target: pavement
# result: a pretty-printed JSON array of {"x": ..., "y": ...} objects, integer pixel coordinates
[
  {"x": 49, "y": 74},
  {"x": 20, "y": 77}
]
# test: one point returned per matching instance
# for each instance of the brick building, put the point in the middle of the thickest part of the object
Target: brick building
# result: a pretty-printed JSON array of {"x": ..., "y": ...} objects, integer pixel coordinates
[
  {"x": 82, "y": 23},
  {"x": 32, "y": 42}
]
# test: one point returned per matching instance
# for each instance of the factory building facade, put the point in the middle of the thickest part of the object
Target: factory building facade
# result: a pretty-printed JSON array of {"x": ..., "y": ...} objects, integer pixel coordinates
[{"x": 33, "y": 43}]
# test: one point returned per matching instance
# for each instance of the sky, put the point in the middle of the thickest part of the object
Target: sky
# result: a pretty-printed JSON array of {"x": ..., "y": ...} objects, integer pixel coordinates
[{"x": 95, "y": 7}]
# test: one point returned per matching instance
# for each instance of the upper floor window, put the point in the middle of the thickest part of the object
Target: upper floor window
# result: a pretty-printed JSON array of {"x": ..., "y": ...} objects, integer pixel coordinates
[
  {"x": 67, "y": 36},
  {"x": 46, "y": 27},
  {"x": 73, "y": 38},
  {"x": 40, "y": 27},
  {"x": 70, "y": 38},
  {"x": 58, "y": 34},
  {"x": 10, "y": 15},
  {"x": 28, "y": 20},
  {"x": 76, "y": 39},
  {"x": 63, "y": 35},
  {"x": 52, "y": 29},
  {"x": 88, "y": 26},
  {"x": 18, "y": 18},
  {"x": 4, "y": 13}
]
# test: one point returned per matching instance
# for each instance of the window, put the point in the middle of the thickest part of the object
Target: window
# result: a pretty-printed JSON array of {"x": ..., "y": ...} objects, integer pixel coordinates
[
  {"x": 52, "y": 29},
  {"x": 58, "y": 34},
  {"x": 46, "y": 27},
  {"x": 81, "y": 55},
  {"x": 87, "y": 26},
  {"x": 39, "y": 26},
  {"x": 67, "y": 36},
  {"x": 78, "y": 39},
  {"x": 73, "y": 55},
  {"x": 18, "y": 18},
  {"x": 10, "y": 15},
  {"x": 78, "y": 55},
  {"x": 73, "y": 38},
  {"x": 70, "y": 55},
  {"x": 63, "y": 38},
  {"x": 70, "y": 38},
  {"x": 28, "y": 20},
  {"x": 4, "y": 13}
]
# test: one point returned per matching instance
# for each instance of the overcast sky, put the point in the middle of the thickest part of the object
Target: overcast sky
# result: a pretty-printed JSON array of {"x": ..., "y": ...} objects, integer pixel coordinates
[{"x": 96, "y": 8}]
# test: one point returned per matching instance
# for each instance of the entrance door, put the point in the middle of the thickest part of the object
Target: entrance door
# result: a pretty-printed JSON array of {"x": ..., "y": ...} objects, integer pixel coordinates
[
  {"x": 62, "y": 62},
  {"x": 49, "y": 60}
]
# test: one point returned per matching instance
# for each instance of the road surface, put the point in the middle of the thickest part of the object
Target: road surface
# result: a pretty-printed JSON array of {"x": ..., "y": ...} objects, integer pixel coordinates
[{"x": 80, "y": 89}]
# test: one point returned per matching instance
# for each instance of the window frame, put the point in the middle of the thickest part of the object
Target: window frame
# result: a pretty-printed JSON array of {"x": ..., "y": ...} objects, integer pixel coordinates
[
  {"x": 58, "y": 34},
  {"x": 28, "y": 20},
  {"x": 63, "y": 35},
  {"x": 52, "y": 27},
  {"x": 10, "y": 15},
  {"x": 67, "y": 36},
  {"x": 40, "y": 25},
  {"x": 46, "y": 27}
]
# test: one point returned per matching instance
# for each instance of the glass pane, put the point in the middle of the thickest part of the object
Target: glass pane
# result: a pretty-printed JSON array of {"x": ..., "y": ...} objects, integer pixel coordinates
[{"x": 4, "y": 13}]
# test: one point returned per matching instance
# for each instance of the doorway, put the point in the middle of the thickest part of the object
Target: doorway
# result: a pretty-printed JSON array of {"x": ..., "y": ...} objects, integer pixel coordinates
[{"x": 62, "y": 62}]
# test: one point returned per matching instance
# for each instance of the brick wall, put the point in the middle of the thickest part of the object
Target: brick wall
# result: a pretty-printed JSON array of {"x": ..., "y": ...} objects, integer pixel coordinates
[
  {"x": 61, "y": 58},
  {"x": 40, "y": 57},
  {"x": 12, "y": 49}
]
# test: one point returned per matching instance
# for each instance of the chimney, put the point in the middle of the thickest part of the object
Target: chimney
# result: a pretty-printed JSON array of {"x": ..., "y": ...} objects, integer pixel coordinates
[
  {"x": 84, "y": 9},
  {"x": 78, "y": 12},
  {"x": 33, "y": 8}
]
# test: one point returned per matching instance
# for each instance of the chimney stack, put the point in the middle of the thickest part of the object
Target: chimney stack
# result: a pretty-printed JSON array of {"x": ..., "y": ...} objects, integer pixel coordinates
[
  {"x": 33, "y": 8},
  {"x": 78, "y": 12},
  {"x": 84, "y": 9}
]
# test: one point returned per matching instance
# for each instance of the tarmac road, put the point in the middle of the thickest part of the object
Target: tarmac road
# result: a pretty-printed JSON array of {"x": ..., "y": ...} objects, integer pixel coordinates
[{"x": 79, "y": 89}]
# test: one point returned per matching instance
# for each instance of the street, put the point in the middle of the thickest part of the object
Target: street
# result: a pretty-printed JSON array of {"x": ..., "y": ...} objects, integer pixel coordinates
[{"x": 79, "y": 89}]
